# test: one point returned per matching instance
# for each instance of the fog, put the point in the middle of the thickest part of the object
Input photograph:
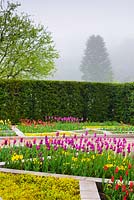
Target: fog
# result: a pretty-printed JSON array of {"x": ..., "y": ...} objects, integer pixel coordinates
[
  {"x": 72, "y": 22},
  {"x": 122, "y": 57}
]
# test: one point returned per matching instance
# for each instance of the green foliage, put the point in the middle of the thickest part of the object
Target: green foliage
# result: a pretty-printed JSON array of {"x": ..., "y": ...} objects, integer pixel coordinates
[
  {"x": 26, "y": 50},
  {"x": 130, "y": 99},
  {"x": 95, "y": 65},
  {"x": 123, "y": 129},
  {"x": 97, "y": 101},
  {"x": 123, "y": 102},
  {"x": 33, "y": 99}
]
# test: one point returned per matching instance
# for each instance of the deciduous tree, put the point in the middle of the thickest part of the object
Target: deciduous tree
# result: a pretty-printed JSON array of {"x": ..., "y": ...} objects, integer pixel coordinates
[{"x": 26, "y": 50}]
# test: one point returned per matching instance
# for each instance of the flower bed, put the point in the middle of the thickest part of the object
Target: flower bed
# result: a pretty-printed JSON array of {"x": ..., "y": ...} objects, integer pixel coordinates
[
  {"x": 52, "y": 125},
  {"x": 5, "y": 124},
  {"x": 7, "y": 133},
  {"x": 53, "y": 134},
  {"x": 34, "y": 187},
  {"x": 5, "y": 128},
  {"x": 119, "y": 129},
  {"x": 70, "y": 155},
  {"x": 125, "y": 129},
  {"x": 119, "y": 186},
  {"x": 32, "y": 126}
]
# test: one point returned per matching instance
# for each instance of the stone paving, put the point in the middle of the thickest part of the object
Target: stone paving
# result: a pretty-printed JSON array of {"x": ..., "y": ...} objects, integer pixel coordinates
[
  {"x": 88, "y": 190},
  {"x": 18, "y": 132}
]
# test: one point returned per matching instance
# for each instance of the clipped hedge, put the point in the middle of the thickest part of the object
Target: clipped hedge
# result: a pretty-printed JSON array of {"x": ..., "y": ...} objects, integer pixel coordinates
[{"x": 35, "y": 99}]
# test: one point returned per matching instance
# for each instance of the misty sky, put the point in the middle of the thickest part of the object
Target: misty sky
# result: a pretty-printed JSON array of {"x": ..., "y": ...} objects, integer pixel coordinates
[{"x": 72, "y": 22}]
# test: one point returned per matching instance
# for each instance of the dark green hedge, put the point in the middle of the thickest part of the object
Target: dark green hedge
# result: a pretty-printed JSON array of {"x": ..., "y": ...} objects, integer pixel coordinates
[{"x": 95, "y": 101}]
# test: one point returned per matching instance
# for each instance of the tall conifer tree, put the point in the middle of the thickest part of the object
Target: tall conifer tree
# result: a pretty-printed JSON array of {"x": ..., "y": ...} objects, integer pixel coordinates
[{"x": 96, "y": 65}]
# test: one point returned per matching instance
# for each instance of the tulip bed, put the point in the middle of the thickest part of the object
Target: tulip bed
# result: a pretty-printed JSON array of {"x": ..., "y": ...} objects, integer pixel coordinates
[
  {"x": 49, "y": 127},
  {"x": 46, "y": 127},
  {"x": 120, "y": 187},
  {"x": 52, "y": 125},
  {"x": 35, "y": 187},
  {"x": 82, "y": 156}
]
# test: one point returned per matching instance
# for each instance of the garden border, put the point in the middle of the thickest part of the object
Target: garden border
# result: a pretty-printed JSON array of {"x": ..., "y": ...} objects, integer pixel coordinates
[{"x": 41, "y": 137}]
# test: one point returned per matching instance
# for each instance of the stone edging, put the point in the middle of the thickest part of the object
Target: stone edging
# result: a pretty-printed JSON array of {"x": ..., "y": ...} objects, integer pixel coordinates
[{"x": 41, "y": 137}]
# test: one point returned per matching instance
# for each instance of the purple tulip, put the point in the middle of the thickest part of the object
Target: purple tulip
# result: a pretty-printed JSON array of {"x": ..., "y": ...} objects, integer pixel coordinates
[
  {"x": 65, "y": 147},
  {"x": 30, "y": 145},
  {"x": 124, "y": 140},
  {"x": 57, "y": 134},
  {"x": 34, "y": 141},
  {"x": 27, "y": 144},
  {"x": 86, "y": 133},
  {"x": 95, "y": 135},
  {"x": 55, "y": 147},
  {"x": 41, "y": 141},
  {"x": 5, "y": 142},
  {"x": 114, "y": 148},
  {"x": 128, "y": 149},
  {"x": 88, "y": 143},
  {"x": 37, "y": 147},
  {"x": 21, "y": 140},
  {"x": 85, "y": 140},
  {"x": 107, "y": 146},
  {"x": 48, "y": 148},
  {"x": 92, "y": 147},
  {"x": 14, "y": 141},
  {"x": 58, "y": 142},
  {"x": 124, "y": 153}
]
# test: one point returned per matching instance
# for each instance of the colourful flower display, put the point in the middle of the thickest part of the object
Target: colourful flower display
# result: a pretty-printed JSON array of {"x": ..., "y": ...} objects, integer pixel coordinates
[{"x": 84, "y": 156}]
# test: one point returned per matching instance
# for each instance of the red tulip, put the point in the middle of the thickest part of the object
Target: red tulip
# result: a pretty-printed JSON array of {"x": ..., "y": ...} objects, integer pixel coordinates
[
  {"x": 112, "y": 178},
  {"x": 105, "y": 168},
  {"x": 123, "y": 188},
  {"x": 116, "y": 186},
  {"x": 129, "y": 166},
  {"x": 125, "y": 197},
  {"x": 126, "y": 173},
  {"x": 116, "y": 170},
  {"x": 131, "y": 184},
  {"x": 121, "y": 178}
]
